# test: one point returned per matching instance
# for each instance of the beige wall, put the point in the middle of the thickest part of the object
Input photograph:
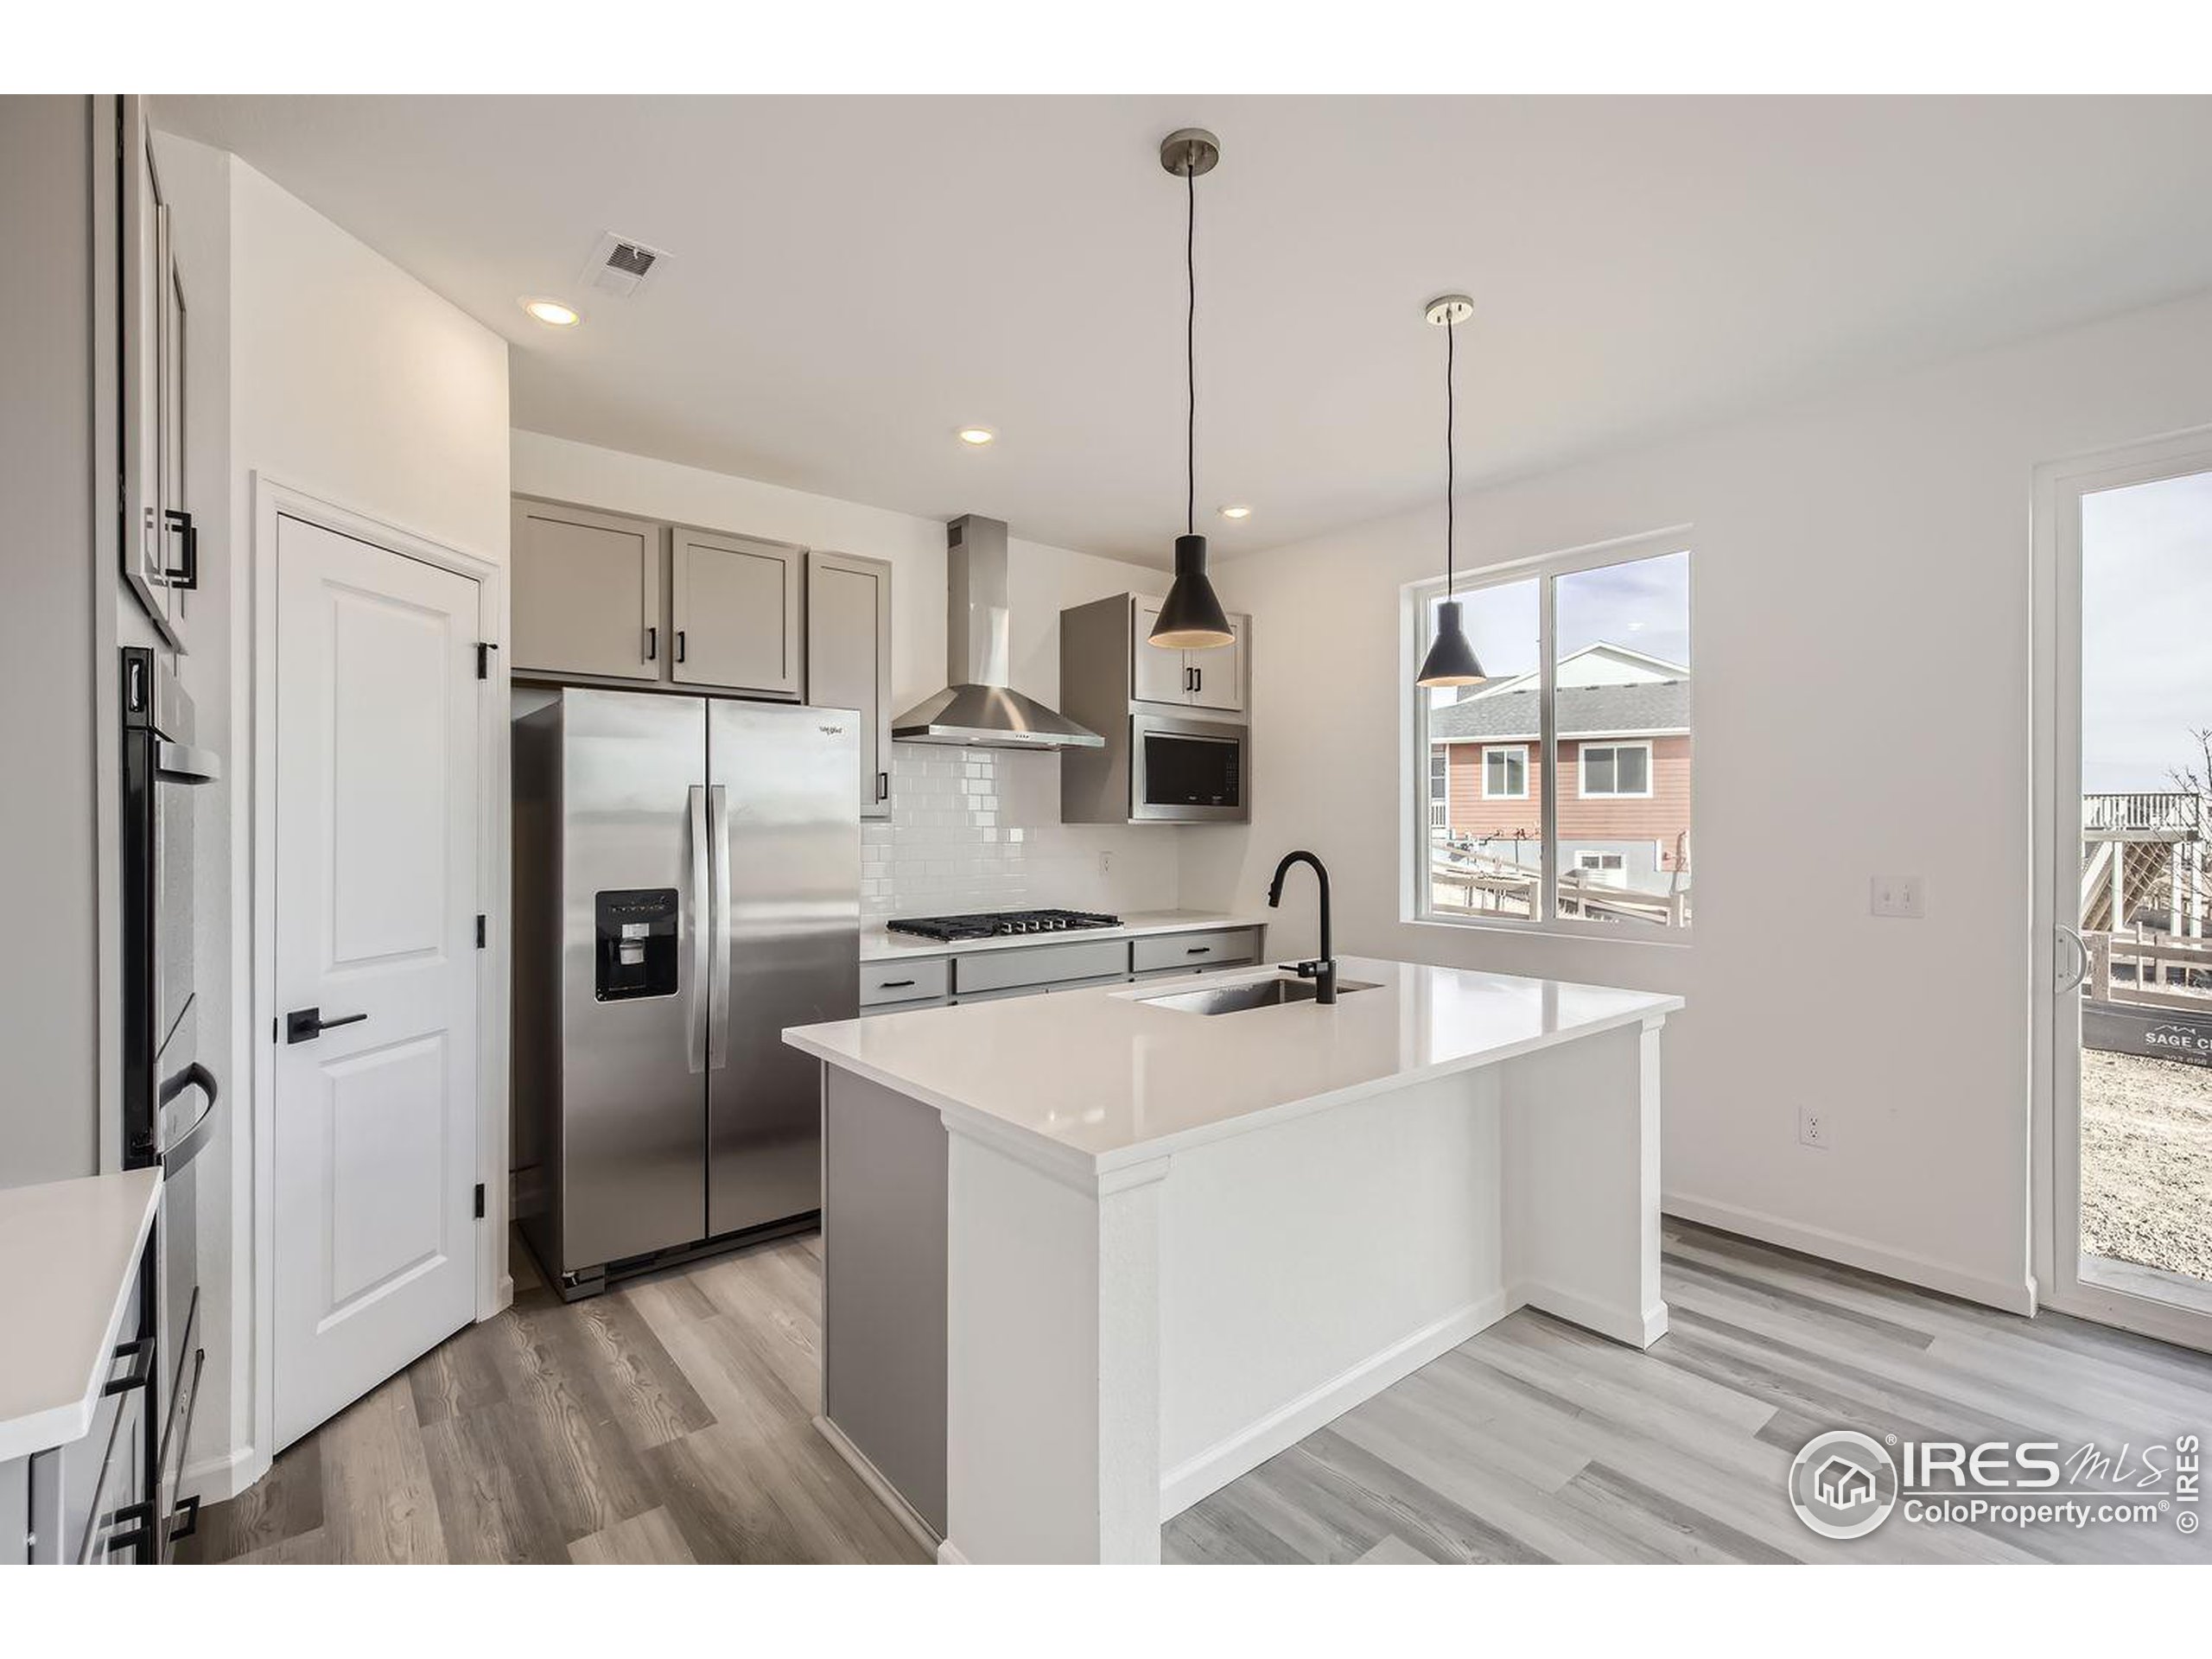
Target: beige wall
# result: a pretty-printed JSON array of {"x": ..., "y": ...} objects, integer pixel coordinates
[
  {"x": 1860, "y": 561},
  {"x": 315, "y": 363},
  {"x": 51, "y": 647}
]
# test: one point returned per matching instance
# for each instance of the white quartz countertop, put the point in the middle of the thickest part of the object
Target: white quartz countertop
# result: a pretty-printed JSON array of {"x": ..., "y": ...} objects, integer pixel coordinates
[
  {"x": 72, "y": 1248},
  {"x": 879, "y": 945},
  {"x": 1099, "y": 1078}
]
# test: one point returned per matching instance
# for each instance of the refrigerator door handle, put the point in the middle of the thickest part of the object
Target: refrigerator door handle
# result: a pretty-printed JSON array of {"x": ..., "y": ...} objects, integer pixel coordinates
[
  {"x": 718, "y": 969},
  {"x": 702, "y": 929}
]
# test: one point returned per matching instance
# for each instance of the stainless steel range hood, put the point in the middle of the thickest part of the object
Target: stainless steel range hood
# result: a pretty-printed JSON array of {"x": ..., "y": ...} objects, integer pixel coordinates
[{"x": 979, "y": 709}]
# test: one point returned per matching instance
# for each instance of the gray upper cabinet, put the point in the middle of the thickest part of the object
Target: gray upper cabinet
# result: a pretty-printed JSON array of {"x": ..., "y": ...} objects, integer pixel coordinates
[
  {"x": 736, "y": 612},
  {"x": 1155, "y": 675},
  {"x": 1217, "y": 674},
  {"x": 848, "y": 658},
  {"x": 586, "y": 596},
  {"x": 160, "y": 557},
  {"x": 1213, "y": 678}
]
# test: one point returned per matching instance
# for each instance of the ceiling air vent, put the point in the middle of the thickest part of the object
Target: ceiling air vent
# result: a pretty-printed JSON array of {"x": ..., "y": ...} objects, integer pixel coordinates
[{"x": 621, "y": 264}]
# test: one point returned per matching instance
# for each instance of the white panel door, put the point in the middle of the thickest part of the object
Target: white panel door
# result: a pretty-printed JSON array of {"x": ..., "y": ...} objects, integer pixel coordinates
[{"x": 375, "y": 1119}]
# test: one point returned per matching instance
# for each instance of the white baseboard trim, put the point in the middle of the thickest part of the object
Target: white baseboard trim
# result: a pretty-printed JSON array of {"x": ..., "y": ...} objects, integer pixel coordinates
[
  {"x": 948, "y": 1555},
  {"x": 902, "y": 1511},
  {"x": 220, "y": 1478},
  {"x": 1637, "y": 1330},
  {"x": 2007, "y": 1295},
  {"x": 1252, "y": 1446}
]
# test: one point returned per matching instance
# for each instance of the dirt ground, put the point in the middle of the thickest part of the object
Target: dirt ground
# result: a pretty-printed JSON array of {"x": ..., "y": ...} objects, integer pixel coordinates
[{"x": 2146, "y": 1162}]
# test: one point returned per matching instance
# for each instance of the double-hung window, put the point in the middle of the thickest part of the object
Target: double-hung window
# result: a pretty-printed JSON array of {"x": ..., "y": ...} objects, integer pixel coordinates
[
  {"x": 1577, "y": 743},
  {"x": 1505, "y": 772},
  {"x": 1615, "y": 770}
]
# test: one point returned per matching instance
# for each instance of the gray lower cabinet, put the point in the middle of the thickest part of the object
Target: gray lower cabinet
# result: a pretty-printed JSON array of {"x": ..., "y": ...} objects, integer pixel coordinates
[
  {"x": 1194, "y": 952},
  {"x": 892, "y": 984},
  {"x": 586, "y": 596},
  {"x": 848, "y": 658},
  {"x": 883, "y": 983},
  {"x": 735, "y": 609}
]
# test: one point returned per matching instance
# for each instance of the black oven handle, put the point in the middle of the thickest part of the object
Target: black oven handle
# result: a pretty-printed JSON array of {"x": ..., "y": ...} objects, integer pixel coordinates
[{"x": 187, "y": 1147}]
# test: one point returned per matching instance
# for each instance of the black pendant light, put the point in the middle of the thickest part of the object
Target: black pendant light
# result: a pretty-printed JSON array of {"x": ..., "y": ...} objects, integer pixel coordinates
[
  {"x": 1451, "y": 659},
  {"x": 1191, "y": 618}
]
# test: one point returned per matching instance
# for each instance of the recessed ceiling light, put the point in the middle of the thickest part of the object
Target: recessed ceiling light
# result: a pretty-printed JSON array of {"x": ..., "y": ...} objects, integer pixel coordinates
[
  {"x": 977, "y": 437},
  {"x": 1237, "y": 512},
  {"x": 552, "y": 312}
]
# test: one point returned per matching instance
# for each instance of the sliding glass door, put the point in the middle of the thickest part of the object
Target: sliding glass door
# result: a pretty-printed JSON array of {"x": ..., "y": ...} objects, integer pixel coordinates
[{"x": 2127, "y": 1219}]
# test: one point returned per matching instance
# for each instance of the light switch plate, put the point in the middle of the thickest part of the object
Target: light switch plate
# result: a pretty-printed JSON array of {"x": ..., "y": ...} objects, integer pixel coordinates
[{"x": 1899, "y": 895}]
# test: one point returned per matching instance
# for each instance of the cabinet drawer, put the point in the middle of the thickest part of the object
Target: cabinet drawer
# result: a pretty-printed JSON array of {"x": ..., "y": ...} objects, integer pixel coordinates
[
  {"x": 1223, "y": 948},
  {"x": 1042, "y": 964},
  {"x": 904, "y": 982}
]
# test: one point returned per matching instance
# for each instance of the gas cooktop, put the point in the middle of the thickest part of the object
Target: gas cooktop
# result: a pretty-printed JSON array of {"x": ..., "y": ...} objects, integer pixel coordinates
[{"x": 1001, "y": 924}]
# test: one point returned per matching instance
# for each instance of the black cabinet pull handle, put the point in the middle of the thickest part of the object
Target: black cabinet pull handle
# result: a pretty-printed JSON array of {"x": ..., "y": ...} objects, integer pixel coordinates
[
  {"x": 305, "y": 1025},
  {"x": 140, "y": 1351},
  {"x": 1198, "y": 679},
  {"x": 188, "y": 1510},
  {"x": 652, "y": 643},
  {"x": 883, "y": 785},
  {"x": 1199, "y": 950},
  {"x": 679, "y": 644},
  {"x": 895, "y": 984},
  {"x": 185, "y": 575}
]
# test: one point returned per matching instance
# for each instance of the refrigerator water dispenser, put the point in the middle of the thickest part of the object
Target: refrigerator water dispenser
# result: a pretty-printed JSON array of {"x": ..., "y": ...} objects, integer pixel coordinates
[{"x": 635, "y": 929}]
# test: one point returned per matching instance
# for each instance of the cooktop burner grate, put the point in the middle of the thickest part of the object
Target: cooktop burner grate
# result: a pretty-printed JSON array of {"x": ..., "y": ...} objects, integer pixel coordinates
[{"x": 1001, "y": 924}]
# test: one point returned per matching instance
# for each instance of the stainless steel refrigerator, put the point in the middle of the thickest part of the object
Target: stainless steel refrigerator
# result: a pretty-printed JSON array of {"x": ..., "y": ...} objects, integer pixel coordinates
[{"x": 686, "y": 884}]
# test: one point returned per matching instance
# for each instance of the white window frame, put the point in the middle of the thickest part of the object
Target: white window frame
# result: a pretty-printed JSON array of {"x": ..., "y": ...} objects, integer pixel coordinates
[
  {"x": 1620, "y": 861},
  {"x": 1414, "y": 599},
  {"x": 1519, "y": 749},
  {"x": 1439, "y": 798},
  {"x": 1582, "y": 791}
]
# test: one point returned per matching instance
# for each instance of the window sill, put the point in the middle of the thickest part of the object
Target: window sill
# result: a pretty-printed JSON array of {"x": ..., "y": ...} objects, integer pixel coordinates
[{"x": 1584, "y": 932}]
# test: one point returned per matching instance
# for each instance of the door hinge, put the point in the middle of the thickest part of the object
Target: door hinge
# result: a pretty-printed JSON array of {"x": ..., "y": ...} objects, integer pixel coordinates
[
  {"x": 480, "y": 1200},
  {"x": 480, "y": 932},
  {"x": 484, "y": 650}
]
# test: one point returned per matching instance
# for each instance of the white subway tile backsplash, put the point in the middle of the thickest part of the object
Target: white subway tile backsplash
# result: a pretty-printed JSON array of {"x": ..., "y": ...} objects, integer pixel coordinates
[{"x": 956, "y": 840}]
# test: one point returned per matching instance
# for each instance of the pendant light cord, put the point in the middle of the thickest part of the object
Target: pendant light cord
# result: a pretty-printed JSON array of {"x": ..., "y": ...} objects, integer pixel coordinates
[
  {"x": 1451, "y": 457},
  {"x": 1191, "y": 351}
]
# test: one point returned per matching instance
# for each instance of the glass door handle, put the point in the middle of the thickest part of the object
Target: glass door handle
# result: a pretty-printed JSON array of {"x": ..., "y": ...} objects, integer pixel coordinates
[{"x": 2073, "y": 936}]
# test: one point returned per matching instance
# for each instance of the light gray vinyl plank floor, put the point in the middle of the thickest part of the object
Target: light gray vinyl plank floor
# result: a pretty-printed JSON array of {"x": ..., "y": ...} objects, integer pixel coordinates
[{"x": 670, "y": 1420}]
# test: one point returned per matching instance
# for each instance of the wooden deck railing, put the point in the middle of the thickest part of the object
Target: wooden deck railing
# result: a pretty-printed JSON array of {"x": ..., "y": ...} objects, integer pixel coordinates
[
  {"x": 2170, "y": 815},
  {"x": 1507, "y": 883},
  {"x": 2155, "y": 959}
]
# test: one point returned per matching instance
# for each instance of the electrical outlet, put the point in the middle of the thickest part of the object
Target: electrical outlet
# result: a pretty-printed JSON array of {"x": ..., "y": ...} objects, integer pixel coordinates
[
  {"x": 1105, "y": 863},
  {"x": 1812, "y": 1129},
  {"x": 1903, "y": 896}
]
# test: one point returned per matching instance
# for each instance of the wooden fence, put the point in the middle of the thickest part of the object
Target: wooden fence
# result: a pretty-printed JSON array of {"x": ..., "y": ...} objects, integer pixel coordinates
[
  {"x": 1500, "y": 886},
  {"x": 2166, "y": 972}
]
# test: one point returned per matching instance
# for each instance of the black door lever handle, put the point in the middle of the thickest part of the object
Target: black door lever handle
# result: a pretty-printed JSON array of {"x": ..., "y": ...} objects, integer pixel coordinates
[{"x": 305, "y": 1025}]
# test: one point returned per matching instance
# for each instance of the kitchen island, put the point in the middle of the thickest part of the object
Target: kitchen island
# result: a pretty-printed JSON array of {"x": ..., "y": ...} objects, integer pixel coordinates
[{"x": 1090, "y": 1256}]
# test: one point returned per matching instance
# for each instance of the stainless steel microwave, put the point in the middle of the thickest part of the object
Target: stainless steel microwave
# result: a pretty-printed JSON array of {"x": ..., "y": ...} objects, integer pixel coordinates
[{"x": 1188, "y": 771}]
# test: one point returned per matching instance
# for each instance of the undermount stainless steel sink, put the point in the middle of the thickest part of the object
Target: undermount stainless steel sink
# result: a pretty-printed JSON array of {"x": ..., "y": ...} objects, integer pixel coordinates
[{"x": 1249, "y": 994}]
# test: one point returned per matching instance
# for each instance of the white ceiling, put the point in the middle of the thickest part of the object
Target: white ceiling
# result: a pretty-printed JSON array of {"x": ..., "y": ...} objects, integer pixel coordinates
[{"x": 851, "y": 279}]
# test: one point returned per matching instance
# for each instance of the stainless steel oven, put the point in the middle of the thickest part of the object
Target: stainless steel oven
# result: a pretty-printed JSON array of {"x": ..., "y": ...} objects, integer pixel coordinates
[
  {"x": 169, "y": 1093},
  {"x": 1188, "y": 771}
]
